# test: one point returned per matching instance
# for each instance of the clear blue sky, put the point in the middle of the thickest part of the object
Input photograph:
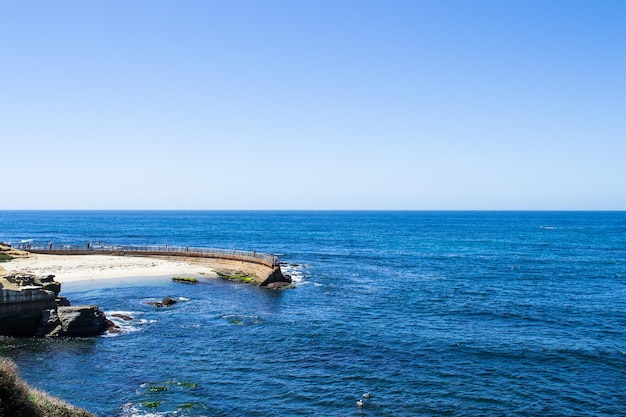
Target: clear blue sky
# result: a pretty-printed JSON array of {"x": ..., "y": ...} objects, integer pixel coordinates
[{"x": 313, "y": 104}]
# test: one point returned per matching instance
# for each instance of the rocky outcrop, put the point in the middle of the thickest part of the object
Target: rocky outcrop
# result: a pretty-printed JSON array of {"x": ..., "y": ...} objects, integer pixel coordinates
[
  {"x": 275, "y": 279},
  {"x": 30, "y": 306},
  {"x": 22, "y": 301},
  {"x": 82, "y": 321},
  {"x": 279, "y": 285},
  {"x": 167, "y": 301}
]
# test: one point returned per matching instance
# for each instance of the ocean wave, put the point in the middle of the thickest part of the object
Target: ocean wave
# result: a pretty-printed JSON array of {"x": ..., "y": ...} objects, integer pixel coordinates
[
  {"x": 131, "y": 410},
  {"x": 295, "y": 271},
  {"x": 127, "y": 322}
]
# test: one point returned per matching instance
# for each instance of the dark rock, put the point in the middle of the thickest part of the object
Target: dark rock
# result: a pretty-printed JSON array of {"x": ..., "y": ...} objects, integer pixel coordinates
[
  {"x": 30, "y": 306},
  {"x": 82, "y": 321},
  {"x": 50, "y": 324},
  {"x": 122, "y": 316},
  {"x": 275, "y": 276},
  {"x": 112, "y": 327},
  {"x": 62, "y": 302},
  {"x": 46, "y": 278},
  {"x": 55, "y": 287},
  {"x": 167, "y": 301},
  {"x": 25, "y": 279},
  {"x": 21, "y": 310},
  {"x": 281, "y": 285}
]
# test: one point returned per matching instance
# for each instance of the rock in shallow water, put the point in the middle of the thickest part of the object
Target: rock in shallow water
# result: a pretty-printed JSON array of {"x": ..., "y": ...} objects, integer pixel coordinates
[
  {"x": 167, "y": 301},
  {"x": 82, "y": 321}
]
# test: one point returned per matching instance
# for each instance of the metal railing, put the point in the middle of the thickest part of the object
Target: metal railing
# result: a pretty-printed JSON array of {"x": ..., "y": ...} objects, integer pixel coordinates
[{"x": 253, "y": 256}]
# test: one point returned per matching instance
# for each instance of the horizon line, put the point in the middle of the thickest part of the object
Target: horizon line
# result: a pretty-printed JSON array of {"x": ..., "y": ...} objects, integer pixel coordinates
[{"x": 315, "y": 210}]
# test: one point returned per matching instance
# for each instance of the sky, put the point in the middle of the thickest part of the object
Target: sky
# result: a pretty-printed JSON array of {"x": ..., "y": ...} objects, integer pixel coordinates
[{"x": 313, "y": 105}]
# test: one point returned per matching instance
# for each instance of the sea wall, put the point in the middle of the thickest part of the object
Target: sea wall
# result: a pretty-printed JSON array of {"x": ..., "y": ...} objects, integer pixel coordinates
[{"x": 263, "y": 275}]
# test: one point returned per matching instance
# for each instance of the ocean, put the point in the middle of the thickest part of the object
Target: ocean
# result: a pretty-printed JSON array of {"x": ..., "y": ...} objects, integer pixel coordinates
[{"x": 435, "y": 313}]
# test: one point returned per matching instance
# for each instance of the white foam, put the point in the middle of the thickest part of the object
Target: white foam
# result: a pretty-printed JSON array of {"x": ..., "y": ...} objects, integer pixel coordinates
[
  {"x": 296, "y": 272},
  {"x": 130, "y": 410},
  {"x": 127, "y": 326}
]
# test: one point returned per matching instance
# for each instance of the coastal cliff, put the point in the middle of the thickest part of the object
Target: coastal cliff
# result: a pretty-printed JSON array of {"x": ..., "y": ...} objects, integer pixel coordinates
[{"x": 31, "y": 306}]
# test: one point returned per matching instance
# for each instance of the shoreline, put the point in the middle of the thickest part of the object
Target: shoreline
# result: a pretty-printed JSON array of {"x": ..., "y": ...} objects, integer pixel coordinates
[{"x": 77, "y": 268}]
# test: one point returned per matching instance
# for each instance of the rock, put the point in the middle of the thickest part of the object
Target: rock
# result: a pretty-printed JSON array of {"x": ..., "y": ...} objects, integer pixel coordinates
[
  {"x": 82, "y": 321},
  {"x": 281, "y": 285},
  {"x": 21, "y": 310},
  {"x": 55, "y": 287},
  {"x": 112, "y": 327},
  {"x": 275, "y": 277},
  {"x": 50, "y": 324},
  {"x": 30, "y": 306},
  {"x": 122, "y": 316},
  {"x": 62, "y": 302},
  {"x": 167, "y": 301},
  {"x": 46, "y": 278}
]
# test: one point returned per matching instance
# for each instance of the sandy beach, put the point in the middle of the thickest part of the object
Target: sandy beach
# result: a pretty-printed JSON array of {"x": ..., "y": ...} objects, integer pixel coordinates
[{"x": 71, "y": 268}]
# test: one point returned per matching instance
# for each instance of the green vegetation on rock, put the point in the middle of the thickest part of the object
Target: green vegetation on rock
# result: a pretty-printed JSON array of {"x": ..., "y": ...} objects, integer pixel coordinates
[
  {"x": 4, "y": 257},
  {"x": 186, "y": 384},
  {"x": 151, "y": 404},
  {"x": 186, "y": 280},
  {"x": 158, "y": 388},
  {"x": 187, "y": 406},
  {"x": 18, "y": 399},
  {"x": 237, "y": 277}
]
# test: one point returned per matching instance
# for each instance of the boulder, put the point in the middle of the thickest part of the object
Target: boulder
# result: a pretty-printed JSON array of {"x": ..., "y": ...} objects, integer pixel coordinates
[
  {"x": 82, "y": 321},
  {"x": 112, "y": 327},
  {"x": 281, "y": 285},
  {"x": 167, "y": 301}
]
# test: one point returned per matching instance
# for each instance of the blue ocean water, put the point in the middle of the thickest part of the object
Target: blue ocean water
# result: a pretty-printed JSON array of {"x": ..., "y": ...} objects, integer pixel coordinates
[{"x": 434, "y": 313}]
